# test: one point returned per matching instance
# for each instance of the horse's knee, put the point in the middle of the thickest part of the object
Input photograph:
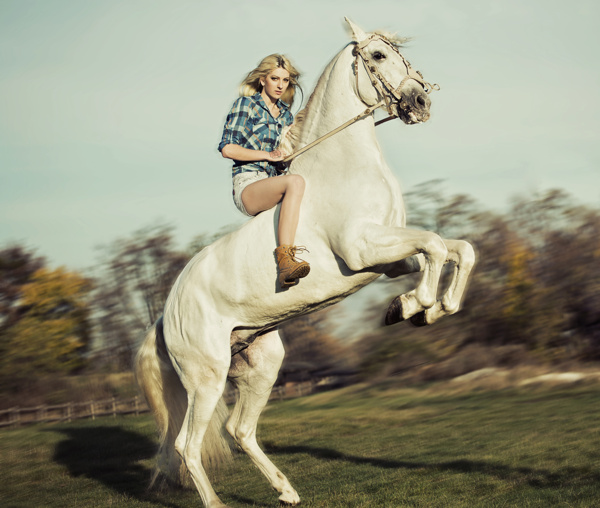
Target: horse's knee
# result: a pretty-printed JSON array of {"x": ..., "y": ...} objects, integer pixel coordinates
[{"x": 435, "y": 248}]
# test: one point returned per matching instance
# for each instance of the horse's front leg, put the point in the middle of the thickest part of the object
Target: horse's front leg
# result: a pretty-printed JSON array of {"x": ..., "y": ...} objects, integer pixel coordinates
[
  {"x": 462, "y": 256},
  {"x": 373, "y": 246}
]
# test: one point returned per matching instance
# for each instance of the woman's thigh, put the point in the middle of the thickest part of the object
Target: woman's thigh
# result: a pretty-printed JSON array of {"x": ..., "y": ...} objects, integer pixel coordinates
[{"x": 264, "y": 194}]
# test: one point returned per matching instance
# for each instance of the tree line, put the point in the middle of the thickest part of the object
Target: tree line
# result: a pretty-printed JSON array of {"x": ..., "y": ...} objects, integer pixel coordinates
[{"x": 535, "y": 294}]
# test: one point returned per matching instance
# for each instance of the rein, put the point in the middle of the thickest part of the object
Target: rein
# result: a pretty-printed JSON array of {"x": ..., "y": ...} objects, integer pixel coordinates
[{"x": 390, "y": 94}]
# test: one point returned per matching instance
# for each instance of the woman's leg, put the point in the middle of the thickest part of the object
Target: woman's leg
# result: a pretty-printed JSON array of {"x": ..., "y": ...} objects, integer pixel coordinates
[{"x": 265, "y": 194}]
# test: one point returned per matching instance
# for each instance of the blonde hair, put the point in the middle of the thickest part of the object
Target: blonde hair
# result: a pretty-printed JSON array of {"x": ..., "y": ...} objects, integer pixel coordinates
[{"x": 251, "y": 83}]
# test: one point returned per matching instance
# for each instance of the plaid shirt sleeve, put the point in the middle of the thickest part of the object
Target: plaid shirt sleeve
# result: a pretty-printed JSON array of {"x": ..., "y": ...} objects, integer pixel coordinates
[{"x": 238, "y": 124}]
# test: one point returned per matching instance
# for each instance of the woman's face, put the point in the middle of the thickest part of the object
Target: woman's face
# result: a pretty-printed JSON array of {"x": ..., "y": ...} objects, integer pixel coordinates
[{"x": 275, "y": 83}]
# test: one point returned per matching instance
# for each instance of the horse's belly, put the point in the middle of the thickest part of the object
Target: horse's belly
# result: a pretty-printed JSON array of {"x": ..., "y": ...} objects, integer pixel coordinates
[{"x": 245, "y": 292}]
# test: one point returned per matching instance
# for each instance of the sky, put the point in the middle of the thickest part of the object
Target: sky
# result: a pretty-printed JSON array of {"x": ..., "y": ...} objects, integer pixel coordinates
[{"x": 111, "y": 110}]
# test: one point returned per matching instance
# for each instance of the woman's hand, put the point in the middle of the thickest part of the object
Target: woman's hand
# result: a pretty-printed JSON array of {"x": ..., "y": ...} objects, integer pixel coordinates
[{"x": 276, "y": 156}]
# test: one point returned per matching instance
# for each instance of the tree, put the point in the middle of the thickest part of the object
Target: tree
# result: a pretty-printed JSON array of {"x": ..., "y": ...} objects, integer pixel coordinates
[
  {"x": 311, "y": 350},
  {"x": 534, "y": 293},
  {"x": 133, "y": 283},
  {"x": 52, "y": 332},
  {"x": 17, "y": 265},
  {"x": 132, "y": 287},
  {"x": 570, "y": 265},
  {"x": 429, "y": 207}
]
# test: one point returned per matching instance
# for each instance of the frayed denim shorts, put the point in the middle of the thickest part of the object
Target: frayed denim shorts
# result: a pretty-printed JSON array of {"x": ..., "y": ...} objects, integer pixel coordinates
[{"x": 240, "y": 182}]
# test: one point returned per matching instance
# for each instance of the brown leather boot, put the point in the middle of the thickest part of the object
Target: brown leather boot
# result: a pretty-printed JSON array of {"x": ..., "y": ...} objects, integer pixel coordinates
[{"x": 290, "y": 268}]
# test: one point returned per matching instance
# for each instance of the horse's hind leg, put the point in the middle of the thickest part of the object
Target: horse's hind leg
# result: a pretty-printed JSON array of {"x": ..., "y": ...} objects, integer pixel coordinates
[
  {"x": 253, "y": 372},
  {"x": 203, "y": 373}
]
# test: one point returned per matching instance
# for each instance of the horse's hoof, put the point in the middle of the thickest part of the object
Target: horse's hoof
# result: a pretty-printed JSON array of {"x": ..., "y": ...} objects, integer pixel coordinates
[
  {"x": 419, "y": 319},
  {"x": 289, "y": 498},
  {"x": 394, "y": 312}
]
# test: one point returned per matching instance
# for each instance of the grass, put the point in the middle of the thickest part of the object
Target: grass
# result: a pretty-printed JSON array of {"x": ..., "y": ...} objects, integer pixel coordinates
[{"x": 357, "y": 447}]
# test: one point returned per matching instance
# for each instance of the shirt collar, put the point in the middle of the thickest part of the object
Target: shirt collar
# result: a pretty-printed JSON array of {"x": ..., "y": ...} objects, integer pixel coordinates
[{"x": 283, "y": 107}]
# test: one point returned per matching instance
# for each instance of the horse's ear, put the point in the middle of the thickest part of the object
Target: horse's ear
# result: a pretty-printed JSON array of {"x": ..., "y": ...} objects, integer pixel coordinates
[{"x": 357, "y": 33}]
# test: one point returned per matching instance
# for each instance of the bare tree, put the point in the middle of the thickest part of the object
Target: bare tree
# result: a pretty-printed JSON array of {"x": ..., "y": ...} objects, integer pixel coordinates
[{"x": 135, "y": 280}]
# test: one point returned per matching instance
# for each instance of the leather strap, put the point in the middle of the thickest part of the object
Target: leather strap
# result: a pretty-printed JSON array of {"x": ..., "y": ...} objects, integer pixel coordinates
[{"x": 383, "y": 87}]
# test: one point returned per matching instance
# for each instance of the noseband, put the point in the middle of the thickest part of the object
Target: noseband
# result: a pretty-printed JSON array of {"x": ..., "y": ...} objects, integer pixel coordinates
[{"x": 389, "y": 94}]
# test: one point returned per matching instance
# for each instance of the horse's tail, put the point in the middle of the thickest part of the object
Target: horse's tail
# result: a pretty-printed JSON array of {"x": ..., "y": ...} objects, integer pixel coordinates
[{"x": 167, "y": 399}]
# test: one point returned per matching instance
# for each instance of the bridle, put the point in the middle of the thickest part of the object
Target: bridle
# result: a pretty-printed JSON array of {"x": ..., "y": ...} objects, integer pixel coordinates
[
  {"x": 390, "y": 94},
  {"x": 385, "y": 89}
]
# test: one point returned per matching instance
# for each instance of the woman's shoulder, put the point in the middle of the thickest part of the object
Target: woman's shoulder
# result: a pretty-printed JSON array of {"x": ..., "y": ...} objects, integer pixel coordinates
[
  {"x": 243, "y": 102},
  {"x": 247, "y": 99}
]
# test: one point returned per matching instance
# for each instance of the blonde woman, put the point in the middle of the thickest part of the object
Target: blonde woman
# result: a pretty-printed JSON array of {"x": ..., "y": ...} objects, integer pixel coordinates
[{"x": 251, "y": 135}]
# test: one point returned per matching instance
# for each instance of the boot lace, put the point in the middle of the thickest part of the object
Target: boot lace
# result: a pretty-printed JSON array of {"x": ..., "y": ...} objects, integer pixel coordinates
[{"x": 297, "y": 249}]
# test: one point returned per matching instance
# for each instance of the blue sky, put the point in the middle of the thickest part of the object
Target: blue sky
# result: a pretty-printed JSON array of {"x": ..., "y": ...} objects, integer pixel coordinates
[{"x": 111, "y": 111}]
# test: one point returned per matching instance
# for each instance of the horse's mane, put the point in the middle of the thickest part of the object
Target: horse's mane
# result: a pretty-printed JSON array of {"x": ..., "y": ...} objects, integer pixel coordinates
[
  {"x": 393, "y": 38},
  {"x": 292, "y": 135}
]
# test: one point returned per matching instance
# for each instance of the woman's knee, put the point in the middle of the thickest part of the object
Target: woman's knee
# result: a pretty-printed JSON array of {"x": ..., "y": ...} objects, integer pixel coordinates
[{"x": 295, "y": 185}]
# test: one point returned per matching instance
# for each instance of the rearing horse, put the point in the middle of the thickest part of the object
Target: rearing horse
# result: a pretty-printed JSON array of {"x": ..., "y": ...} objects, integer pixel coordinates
[{"x": 220, "y": 320}]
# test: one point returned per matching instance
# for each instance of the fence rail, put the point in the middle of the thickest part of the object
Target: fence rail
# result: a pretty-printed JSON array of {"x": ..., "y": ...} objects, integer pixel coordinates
[
  {"x": 17, "y": 416},
  {"x": 71, "y": 411}
]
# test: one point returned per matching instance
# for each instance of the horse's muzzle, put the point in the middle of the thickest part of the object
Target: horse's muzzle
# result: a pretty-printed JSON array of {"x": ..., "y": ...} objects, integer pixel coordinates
[{"x": 414, "y": 107}]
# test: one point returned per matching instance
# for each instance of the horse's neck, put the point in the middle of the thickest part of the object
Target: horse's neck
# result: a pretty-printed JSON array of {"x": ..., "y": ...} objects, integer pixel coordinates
[
  {"x": 331, "y": 100},
  {"x": 334, "y": 102},
  {"x": 347, "y": 172}
]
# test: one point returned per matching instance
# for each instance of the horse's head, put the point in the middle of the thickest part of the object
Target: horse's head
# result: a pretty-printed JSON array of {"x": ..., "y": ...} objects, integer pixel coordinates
[{"x": 383, "y": 73}]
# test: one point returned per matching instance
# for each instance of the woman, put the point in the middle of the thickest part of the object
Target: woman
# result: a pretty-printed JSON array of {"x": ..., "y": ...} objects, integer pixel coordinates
[{"x": 251, "y": 135}]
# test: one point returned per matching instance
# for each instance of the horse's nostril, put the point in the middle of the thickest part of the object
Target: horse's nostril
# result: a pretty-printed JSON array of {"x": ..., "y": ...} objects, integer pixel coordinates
[{"x": 421, "y": 100}]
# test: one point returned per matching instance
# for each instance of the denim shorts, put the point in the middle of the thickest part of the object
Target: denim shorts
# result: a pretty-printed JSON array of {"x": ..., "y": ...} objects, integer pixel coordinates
[{"x": 240, "y": 182}]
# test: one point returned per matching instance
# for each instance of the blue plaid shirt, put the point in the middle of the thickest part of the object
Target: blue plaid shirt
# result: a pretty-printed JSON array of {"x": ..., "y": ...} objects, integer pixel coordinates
[{"x": 250, "y": 124}]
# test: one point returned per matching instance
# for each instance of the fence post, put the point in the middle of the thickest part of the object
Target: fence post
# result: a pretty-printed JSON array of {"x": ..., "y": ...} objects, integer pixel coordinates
[
  {"x": 69, "y": 411},
  {"x": 93, "y": 410},
  {"x": 114, "y": 407},
  {"x": 135, "y": 401},
  {"x": 16, "y": 416}
]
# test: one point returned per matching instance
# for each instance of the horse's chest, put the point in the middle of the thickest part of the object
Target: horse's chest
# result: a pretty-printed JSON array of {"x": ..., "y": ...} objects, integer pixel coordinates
[{"x": 375, "y": 196}]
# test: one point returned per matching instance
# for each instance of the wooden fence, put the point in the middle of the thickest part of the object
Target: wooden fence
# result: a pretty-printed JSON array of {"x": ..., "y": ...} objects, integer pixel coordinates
[
  {"x": 17, "y": 416},
  {"x": 71, "y": 411}
]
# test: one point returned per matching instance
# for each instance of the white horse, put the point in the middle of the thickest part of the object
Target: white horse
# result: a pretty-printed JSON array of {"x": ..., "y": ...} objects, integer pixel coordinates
[{"x": 220, "y": 320}]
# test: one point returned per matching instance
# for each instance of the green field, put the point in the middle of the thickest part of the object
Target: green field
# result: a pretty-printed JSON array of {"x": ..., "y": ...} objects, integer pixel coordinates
[{"x": 357, "y": 447}]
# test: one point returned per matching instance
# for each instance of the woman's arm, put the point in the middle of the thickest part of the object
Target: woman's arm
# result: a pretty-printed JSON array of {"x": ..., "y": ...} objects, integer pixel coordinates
[{"x": 239, "y": 153}]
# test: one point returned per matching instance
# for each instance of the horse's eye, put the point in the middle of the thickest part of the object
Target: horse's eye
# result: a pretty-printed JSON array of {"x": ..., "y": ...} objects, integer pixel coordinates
[{"x": 378, "y": 56}]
